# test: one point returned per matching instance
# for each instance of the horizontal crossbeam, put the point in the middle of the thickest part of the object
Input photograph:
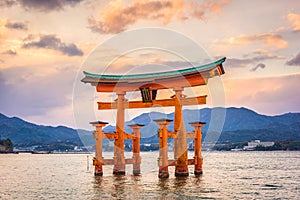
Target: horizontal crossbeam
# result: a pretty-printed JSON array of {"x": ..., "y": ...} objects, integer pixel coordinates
[
  {"x": 128, "y": 161},
  {"x": 173, "y": 162},
  {"x": 164, "y": 102},
  {"x": 113, "y": 136}
]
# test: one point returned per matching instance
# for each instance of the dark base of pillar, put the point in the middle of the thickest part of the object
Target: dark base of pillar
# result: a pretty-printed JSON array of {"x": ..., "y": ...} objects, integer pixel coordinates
[
  {"x": 136, "y": 172},
  {"x": 198, "y": 173},
  {"x": 163, "y": 174},
  {"x": 181, "y": 174},
  {"x": 118, "y": 173},
  {"x": 98, "y": 173},
  {"x": 181, "y": 171}
]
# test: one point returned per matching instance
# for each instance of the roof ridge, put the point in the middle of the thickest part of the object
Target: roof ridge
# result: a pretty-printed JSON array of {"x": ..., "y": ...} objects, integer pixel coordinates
[{"x": 151, "y": 75}]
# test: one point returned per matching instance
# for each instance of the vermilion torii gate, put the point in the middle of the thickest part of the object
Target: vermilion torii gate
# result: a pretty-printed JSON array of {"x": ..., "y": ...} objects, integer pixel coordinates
[{"x": 149, "y": 84}]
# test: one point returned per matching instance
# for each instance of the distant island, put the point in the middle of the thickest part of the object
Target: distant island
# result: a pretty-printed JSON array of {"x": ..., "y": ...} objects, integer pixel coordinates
[{"x": 241, "y": 126}]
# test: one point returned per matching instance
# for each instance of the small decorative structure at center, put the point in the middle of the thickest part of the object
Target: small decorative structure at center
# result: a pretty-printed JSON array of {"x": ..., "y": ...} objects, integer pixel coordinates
[{"x": 148, "y": 85}]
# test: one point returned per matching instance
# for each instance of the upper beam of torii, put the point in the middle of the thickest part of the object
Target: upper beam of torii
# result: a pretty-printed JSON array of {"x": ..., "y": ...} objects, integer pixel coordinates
[
  {"x": 190, "y": 77},
  {"x": 150, "y": 83}
]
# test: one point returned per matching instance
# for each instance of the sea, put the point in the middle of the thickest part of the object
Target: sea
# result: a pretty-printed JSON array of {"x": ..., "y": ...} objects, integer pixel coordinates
[{"x": 226, "y": 175}]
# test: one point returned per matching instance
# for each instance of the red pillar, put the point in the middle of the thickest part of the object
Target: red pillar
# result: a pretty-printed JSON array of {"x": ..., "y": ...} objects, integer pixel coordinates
[
  {"x": 119, "y": 158},
  {"x": 98, "y": 159},
  {"x": 136, "y": 148},
  {"x": 180, "y": 146},
  {"x": 197, "y": 147},
  {"x": 163, "y": 162}
]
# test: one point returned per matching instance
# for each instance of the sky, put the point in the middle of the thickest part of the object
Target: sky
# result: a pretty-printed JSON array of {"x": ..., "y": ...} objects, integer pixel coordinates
[{"x": 46, "y": 45}]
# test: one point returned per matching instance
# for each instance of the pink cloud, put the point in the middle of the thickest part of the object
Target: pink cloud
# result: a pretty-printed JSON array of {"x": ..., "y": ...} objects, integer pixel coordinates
[
  {"x": 116, "y": 17},
  {"x": 269, "y": 39},
  {"x": 270, "y": 95},
  {"x": 200, "y": 9}
]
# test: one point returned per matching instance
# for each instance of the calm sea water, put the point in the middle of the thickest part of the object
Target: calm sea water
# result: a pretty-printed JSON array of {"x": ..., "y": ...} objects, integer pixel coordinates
[{"x": 227, "y": 175}]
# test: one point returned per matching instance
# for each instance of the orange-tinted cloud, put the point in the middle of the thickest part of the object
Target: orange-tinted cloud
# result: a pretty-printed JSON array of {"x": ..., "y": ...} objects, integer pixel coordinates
[
  {"x": 269, "y": 39},
  {"x": 115, "y": 17},
  {"x": 3, "y": 22},
  {"x": 294, "y": 19},
  {"x": 200, "y": 9}
]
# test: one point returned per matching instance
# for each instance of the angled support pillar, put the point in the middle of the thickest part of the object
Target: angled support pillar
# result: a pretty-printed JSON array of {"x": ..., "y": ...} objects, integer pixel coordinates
[
  {"x": 119, "y": 159},
  {"x": 136, "y": 148},
  {"x": 180, "y": 146},
  {"x": 98, "y": 159},
  {"x": 197, "y": 147}
]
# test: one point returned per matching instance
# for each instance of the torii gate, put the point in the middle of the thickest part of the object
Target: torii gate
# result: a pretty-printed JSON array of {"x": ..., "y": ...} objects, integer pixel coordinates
[{"x": 148, "y": 84}]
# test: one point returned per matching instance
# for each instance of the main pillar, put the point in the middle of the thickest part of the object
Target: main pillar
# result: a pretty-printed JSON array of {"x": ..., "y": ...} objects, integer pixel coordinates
[
  {"x": 136, "y": 148},
  {"x": 180, "y": 146},
  {"x": 119, "y": 158},
  {"x": 197, "y": 147},
  {"x": 163, "y": 162},
  {"x": 98, "y": 159}
]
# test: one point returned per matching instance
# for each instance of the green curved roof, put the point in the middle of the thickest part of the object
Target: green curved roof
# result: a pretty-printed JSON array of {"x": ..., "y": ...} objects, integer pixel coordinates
[{"x": 198, "y": 69}]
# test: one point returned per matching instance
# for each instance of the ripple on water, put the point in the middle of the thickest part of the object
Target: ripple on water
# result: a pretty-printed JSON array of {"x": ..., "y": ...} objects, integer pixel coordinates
[{"x": 226, "y": 176}]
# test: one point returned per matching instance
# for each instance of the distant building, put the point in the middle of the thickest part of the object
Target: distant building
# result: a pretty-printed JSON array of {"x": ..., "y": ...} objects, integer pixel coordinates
[{"x": 251, "y": 145}]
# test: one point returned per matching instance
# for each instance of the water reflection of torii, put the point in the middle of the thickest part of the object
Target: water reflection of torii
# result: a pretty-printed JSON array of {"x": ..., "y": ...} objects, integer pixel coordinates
[{"x": 148, "y": 84}]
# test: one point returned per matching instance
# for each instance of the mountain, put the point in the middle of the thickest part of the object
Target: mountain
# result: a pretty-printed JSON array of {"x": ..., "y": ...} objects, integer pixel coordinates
[
  {"x": 240, "y": 124},
  {"x": 23, "y": 133},
  {"x": 237, "y": 125}
]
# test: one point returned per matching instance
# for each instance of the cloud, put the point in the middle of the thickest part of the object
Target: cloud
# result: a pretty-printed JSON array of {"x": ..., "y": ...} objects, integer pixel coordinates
[
  {"x": 294, "y": 61},
  {"x": 294, "y": 19},
  {"x": 269, "y": 39},
  {"x": 11, "y": 52},
  {"x": 115, "y": 17},
  {"x": 40, "y": 5},
  {"x": 52, "y": 42},
  {"x": 269, "y": 95},
  {"x": 16, "y": 25},
  {"x": 259, "y": 56},
  {"x": 259, "y": 65},
  {"x": 200, "y": 9},
  {"x": 38, "y": 92},
  {"x": 7, "y": 3}
]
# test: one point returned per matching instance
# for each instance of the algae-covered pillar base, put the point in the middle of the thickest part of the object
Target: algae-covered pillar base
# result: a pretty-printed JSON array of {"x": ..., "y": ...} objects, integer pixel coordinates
[
  {"x": 197, "y": 147},
  {"x": 163, "y": 162},
  {"x": 98, "y": 159}
]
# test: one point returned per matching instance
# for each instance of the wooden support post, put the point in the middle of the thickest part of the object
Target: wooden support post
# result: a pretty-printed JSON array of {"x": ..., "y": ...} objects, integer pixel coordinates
[
  {"x": 136, "y": 148},
  {"x": 180, "y": 146},
  {"x": 163, "y": 148},
  {"x": 197, "y": 147},
  {"x": 98, "y": 159},
  {"x": 119, "y": 159}
]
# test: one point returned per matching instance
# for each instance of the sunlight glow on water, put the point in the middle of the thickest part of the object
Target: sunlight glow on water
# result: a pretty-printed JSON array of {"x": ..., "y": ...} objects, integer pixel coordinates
[{"x": 227, "y": 175}]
